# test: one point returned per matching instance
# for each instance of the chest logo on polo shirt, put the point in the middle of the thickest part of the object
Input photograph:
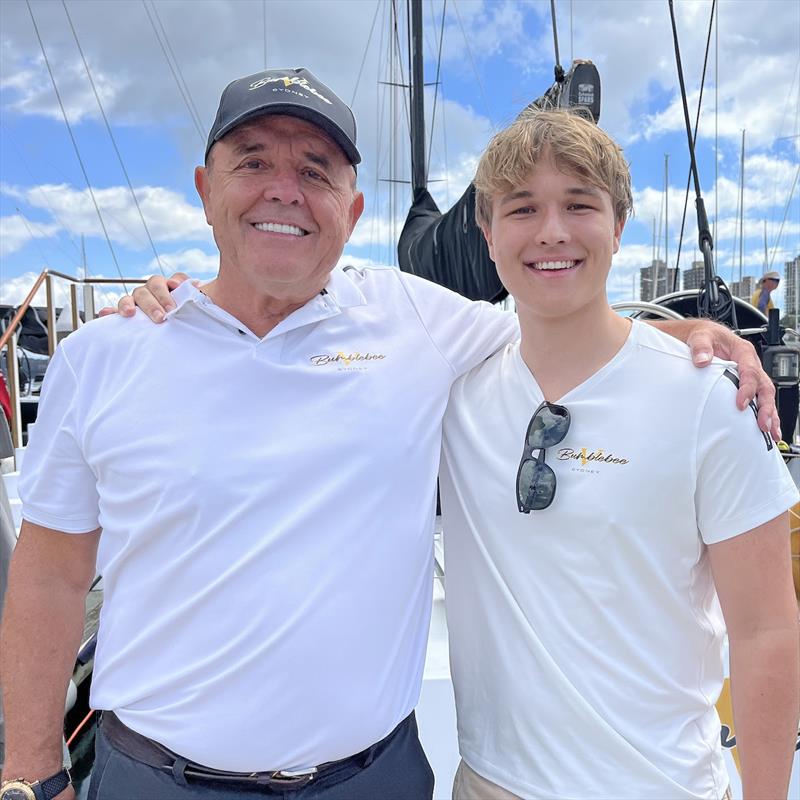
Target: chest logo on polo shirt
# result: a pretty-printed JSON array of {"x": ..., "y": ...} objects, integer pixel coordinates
[
  {"x": 346, "y": 362},
  {"x": 589, "y": 459}
]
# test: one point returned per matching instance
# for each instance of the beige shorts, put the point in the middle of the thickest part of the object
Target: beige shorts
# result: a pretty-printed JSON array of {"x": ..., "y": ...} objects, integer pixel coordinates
[{"x": 468, "y": 785}]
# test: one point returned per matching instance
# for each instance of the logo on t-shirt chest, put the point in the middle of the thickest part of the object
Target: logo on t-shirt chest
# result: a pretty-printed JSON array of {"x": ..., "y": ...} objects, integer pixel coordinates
[
  {"x": 591, "y": 461},
  {"x": 342, "y": 361}
]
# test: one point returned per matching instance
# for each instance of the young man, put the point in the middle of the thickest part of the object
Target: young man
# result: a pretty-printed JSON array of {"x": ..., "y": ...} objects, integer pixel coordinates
[{"x": 600, "y": 496}]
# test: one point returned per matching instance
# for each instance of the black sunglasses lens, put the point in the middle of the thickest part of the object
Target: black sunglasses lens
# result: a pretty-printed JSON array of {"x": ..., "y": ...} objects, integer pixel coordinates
[
  {"x": 536, "y": 486},
  {"x": 548, "y": 427}
]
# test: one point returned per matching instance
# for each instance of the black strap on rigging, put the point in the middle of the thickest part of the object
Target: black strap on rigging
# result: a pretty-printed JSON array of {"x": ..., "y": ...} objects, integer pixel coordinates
[
  {"x": 558, "y": 70},
  {"x": 714, "y": 299}
]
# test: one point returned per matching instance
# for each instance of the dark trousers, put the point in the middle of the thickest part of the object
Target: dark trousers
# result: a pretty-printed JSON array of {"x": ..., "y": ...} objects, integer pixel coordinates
[{"x": 398, "y": 771}]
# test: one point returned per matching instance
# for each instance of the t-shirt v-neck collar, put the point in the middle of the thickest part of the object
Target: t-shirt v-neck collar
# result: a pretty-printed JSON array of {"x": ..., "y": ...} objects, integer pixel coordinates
[{"x": 528, "y": 379}]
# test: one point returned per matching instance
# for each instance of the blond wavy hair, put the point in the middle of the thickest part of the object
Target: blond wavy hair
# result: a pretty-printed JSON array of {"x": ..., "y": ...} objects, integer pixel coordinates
[{"x": 574, "y": 143}]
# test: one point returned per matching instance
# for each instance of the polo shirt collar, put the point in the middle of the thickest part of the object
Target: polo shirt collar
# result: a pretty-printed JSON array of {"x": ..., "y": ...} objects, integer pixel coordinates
[{"x": 340, "y": 292}]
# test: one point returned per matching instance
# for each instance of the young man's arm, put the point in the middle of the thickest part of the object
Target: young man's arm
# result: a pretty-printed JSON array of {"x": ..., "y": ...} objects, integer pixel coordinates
[
  {"x": 50, "y": 574},
  {"x": 705, "y": 338},
  {"x": 753, "y": 577}
]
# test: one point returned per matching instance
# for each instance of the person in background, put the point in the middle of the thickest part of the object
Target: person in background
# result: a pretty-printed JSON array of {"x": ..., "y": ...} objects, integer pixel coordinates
[{"x": 766, "y": 285}]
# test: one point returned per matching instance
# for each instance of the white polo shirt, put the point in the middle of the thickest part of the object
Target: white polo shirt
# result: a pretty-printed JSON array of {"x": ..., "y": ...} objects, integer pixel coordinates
[
  {"x": 267, "y": 510},
  {"x": 586, "y": 638}
]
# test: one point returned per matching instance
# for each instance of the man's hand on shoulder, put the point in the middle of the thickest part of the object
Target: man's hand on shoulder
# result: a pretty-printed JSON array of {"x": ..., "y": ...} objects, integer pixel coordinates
[
  {"x": 707, "y": 339},
  {"x": 153, "y": 298}
]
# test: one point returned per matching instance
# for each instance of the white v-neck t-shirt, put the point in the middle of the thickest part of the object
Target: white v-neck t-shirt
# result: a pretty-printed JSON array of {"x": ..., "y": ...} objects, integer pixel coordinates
[{"x": 586, "y": 639}]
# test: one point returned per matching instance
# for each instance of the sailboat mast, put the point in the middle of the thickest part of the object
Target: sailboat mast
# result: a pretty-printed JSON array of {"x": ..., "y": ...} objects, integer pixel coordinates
[
  {"x": 419, "y": 179},
  {"x": 666, "y": 220},
  {"x": 741, "y": 212}
]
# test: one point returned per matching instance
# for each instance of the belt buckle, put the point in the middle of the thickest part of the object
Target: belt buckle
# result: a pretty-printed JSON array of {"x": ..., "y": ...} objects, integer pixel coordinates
[{"x": 294, "y": 777}]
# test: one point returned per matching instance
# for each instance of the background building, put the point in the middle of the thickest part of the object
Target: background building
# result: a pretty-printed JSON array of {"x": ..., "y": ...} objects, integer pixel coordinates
[
  {"x": 744, "y": 288},
  {"x": 693, "y": 277},
  {"x": 791, "y": 300},
  {"x": 648, "y": 290}
]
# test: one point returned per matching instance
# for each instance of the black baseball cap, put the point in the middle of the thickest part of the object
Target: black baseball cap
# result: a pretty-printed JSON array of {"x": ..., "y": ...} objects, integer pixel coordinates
[{"x": 293, "y": 92}]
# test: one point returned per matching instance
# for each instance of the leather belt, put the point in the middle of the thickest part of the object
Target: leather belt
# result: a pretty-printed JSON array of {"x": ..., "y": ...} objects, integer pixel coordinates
[{"x": 149, "y": 752}]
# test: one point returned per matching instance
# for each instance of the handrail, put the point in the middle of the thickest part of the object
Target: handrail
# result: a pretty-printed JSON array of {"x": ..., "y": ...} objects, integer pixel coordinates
[
  {"x": 45, "y": 273},
  {"x": 21, "y": 310},
  {"x": 7, "y": 338}
]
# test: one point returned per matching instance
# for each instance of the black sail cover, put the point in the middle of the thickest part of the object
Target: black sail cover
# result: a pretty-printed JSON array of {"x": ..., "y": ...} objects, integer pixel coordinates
[{"x": 449, "y": 248}]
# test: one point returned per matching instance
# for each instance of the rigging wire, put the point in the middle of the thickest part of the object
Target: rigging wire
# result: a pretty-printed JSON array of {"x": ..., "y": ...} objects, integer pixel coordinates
[
  {"x": 739, "y": 214},
  {"x": 785, "y": 214},
  {"x": 786, "y": 104},
  {"x": 7, "y": 137},
  {"x": 195, "y": 120},
  {"x": 44, "y": 235},
  {"x": 714, "y": 300},
  {"x": 396, "y": 52},
  {"x": 366, "y": 51},
  {"x": 35, "y": 239},
  {"x": 472, "y": 61},
  {"x": 113, "y": 140},
  {"x": 177, "y": 63},
  {"x": 716, "y": 125},
  {"x": 396, "y": 49},
  {"x": 694, "y": 144},
  {"x": 75, "y": 146},
  {"x": 380, "y": 104},
  {"x": 436, "y": 88}
]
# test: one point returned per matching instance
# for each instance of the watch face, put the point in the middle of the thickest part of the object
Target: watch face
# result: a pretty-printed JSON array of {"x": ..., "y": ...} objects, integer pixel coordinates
[{"x": 17, "y": 791}]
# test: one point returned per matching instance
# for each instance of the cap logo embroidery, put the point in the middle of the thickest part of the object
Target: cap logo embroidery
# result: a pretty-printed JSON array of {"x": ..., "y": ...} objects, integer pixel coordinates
[{"x": 287, "y": 82}]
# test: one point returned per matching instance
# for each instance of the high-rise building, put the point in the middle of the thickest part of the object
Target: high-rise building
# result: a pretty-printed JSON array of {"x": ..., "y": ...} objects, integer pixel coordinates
[
  {"x": 693, "y": 277},
  {"x": 791, "y": 287},
  {"x": 744, "y": 289},
  {"x": 648, "y": 290}
]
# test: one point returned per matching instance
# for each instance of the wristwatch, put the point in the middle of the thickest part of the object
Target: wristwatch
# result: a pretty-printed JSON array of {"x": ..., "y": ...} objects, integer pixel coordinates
[{"x": 47, "y": 789}]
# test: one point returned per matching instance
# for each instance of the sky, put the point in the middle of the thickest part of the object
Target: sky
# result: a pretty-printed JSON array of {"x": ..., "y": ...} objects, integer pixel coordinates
[{"x": 152, "y": 71}]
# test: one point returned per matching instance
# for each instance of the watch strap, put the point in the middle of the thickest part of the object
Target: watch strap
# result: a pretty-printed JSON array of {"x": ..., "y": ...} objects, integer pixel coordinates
[{"x": 50, "y": 787}]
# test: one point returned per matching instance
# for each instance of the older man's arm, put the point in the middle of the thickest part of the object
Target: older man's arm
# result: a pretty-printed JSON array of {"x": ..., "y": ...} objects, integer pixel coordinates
[
  {"x": 705, "y": 339},
  {"x": 49, "y": 577},
  {"x": 753, "y": 576}
]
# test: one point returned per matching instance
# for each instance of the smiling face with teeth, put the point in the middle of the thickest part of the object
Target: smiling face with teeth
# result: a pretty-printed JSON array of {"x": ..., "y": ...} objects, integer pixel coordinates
[
  {"x": 552, "y": 238},
  {"x": 280, "y": 196}
]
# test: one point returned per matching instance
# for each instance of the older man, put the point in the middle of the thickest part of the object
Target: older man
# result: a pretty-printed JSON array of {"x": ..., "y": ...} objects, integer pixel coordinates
[{"x": 262, "y": 469}]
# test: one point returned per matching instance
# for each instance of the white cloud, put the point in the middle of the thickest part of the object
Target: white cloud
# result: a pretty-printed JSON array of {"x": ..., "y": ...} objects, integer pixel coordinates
[
  {"x": 32, "y": 90},
  {"x": 16, "y": 231},
  {"x": 168, "y": 215},
  {"x": 376, "y": 231},
  {"x": 193, "y": 262}
]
